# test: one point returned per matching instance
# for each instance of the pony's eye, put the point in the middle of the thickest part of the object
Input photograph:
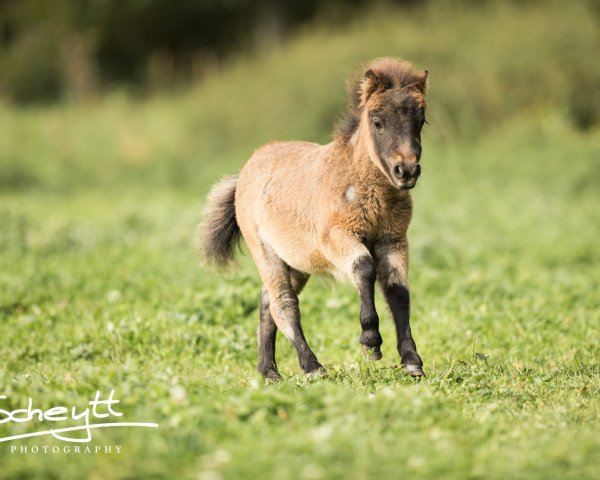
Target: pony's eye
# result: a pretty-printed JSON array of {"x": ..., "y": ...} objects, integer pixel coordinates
[{"x": 377, "y": 124}]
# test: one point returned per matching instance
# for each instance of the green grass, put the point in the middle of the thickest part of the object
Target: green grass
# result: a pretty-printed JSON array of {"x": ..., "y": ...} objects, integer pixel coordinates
[{"x": 99, "y": 287}]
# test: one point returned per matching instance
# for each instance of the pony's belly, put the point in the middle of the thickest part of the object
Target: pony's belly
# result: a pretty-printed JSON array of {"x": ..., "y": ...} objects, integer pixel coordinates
[{"x": 296, "y": 251}]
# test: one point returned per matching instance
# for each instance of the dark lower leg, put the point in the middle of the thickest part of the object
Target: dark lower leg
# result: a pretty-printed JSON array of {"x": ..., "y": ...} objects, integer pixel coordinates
[
  {"x": 398, "y": 298},
  {"x": 267, "y": 332},
  {"x": 307, "y": 359},
  {"x": 365, "y": 274}
]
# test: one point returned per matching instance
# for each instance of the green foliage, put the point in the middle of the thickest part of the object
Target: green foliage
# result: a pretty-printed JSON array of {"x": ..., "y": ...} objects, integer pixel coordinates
[{"x": 99, "y": 287}]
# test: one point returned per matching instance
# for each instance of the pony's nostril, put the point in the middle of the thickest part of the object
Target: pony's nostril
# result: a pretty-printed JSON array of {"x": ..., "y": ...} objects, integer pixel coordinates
[{"x": 398, "y": 170}]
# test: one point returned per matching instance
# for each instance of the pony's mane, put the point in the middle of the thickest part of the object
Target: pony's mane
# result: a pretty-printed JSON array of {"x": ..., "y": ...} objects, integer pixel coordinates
[{"x": 397, "y": 73}]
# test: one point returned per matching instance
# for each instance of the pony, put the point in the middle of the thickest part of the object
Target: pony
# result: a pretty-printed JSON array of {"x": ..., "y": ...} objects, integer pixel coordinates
[{"x": 341, "y": 209}]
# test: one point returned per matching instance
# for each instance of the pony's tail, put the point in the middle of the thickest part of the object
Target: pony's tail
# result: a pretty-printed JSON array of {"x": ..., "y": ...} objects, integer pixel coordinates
[{"x": 219, "y": 233}]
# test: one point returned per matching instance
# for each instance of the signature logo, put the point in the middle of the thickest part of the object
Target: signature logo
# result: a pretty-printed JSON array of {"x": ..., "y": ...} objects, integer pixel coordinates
[{"x": 98, "y": 409}]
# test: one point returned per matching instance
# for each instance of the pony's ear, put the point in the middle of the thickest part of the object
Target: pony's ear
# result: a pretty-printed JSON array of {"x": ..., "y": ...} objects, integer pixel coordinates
[
  {"x": 422, "y": 83},
  {"x": 372, "y": 83}
]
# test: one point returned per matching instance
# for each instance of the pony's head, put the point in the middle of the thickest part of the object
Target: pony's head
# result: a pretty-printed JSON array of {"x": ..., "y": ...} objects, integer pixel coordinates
[{"x": 389, "y": 112}]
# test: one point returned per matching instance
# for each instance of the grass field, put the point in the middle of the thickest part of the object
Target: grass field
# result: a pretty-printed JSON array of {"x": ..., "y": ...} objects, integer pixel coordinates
[{"x": 100, "y": 288}]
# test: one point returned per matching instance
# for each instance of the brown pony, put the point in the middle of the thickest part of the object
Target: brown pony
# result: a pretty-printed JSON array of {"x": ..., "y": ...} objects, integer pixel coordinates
[{"x": 341, "y": 209}]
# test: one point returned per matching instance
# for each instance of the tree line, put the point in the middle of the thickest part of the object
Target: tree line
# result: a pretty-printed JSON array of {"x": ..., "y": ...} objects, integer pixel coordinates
[{"x": 52, "y": 49}]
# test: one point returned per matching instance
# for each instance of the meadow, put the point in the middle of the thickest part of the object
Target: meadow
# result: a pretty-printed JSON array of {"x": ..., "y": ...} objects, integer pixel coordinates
[{"x": 101, "y": 288}]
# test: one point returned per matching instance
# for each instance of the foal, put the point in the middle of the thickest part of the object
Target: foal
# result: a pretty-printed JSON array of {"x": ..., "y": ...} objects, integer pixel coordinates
[{"x": 341, "y": 209}]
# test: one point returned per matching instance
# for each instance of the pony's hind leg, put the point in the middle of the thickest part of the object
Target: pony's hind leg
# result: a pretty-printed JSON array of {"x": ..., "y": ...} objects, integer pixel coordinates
[
  {"x": 267, "y": 330},
  {"x": 278, "y": 281}
]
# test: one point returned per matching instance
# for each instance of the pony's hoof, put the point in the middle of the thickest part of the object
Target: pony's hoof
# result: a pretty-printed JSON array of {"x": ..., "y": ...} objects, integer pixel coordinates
[
  {"x": 414, "y": 370},
  {"x": 271, "y": 375},
  {"x": 372, "y": 353}
]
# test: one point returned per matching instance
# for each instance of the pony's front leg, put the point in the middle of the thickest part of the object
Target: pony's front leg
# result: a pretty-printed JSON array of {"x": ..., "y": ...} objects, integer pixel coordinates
[
  {"x": 353, "y": 259},
  {"x": 392, "y": 271}
]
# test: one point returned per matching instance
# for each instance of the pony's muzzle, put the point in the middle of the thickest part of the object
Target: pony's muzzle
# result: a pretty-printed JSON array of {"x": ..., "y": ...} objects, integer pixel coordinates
[{"x": 407, "y": 173}]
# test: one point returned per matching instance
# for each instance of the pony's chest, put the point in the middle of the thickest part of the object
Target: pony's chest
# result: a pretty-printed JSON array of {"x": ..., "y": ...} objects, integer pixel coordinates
[{"x": 372, "y": 215}]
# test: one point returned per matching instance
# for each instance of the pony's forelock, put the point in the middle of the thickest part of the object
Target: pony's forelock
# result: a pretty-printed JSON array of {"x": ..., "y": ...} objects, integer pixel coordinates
[{"x": 390, "y": 71}]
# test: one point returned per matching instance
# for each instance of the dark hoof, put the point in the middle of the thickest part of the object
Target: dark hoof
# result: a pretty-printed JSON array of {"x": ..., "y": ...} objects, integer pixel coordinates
[
  {"x": 414, "y": 370},
  {"x": 372, "y": 353},
  {"x": 272, "y": 375}
]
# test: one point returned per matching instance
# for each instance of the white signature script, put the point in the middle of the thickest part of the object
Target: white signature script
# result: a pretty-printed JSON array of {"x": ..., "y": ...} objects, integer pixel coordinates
[{"x": 100, "y": 409}]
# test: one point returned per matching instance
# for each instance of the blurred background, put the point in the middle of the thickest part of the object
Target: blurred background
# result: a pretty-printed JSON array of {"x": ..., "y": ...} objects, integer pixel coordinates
[
  {"x": 76, "y": 49},
  {"x": 160, "y": 91}
]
